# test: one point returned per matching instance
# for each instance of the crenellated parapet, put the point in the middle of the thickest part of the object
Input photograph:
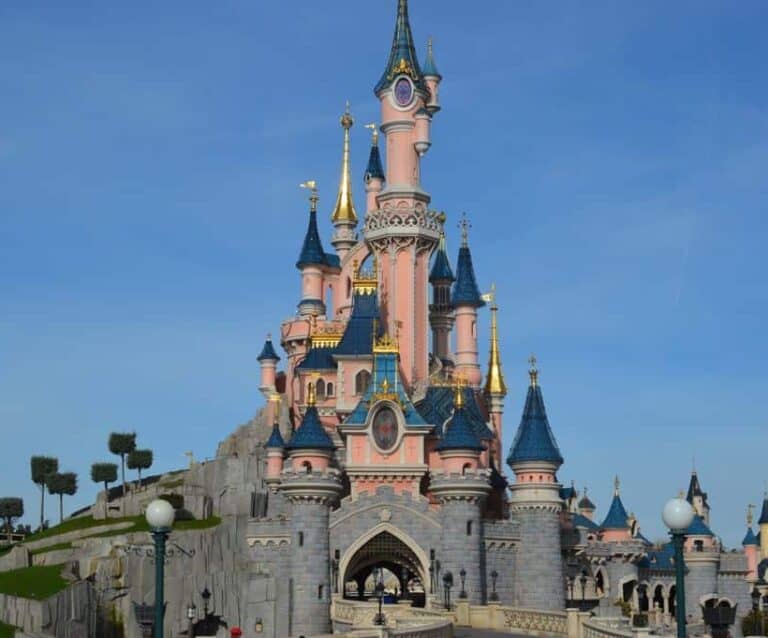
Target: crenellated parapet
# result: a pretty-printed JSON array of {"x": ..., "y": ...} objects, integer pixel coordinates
[{"x": 311, "y": 487}]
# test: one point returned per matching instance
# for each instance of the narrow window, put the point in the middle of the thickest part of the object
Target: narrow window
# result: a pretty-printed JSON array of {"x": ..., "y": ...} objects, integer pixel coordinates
[
  {"x": 329, "y": 389},
  {"x": 320, "y": 388},
  {"x": 301, "y": 539},
  {"x": 469, "y": 528},
  {"x": 319, "y": 592}
]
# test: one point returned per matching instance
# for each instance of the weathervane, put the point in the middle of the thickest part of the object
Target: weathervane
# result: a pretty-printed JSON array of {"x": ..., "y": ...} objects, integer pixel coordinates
[
  {"x": 464, "y": 225},
  {"x": 374, "y": 133},
  {"x": 313, "y": 197}
]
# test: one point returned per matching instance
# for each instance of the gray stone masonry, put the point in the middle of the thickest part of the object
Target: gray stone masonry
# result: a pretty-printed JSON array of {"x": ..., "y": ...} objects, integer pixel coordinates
[
  {"x": 539, "y": 578},
  {"x": 700, "y": 580},
  {"x": 462, "y": 548}
]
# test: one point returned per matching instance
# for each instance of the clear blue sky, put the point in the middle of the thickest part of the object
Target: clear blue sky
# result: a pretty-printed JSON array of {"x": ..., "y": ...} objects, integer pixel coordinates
[{"x": 611, "y": 155}]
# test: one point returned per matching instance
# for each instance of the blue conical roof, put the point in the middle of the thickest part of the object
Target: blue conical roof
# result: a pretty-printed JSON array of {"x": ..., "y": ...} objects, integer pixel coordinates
[
  {"x": 374, "y": 168},
  {"x": 268, "y": 352},
  {"x": 275, "y": 439},
  {"x": 698, "y": 528},
  {"x": 459, "y": 434},
  {"x": 764, "y": 513},
  {"x": 312, "y": 253},
  {"x": 749, "y": 538},
  {"x": 441, "y": 267},
  {"x": 402, "y": 57},
  {"x": 465, "y": 290},
  {"x": 534, "y": 440},
  {"x": 310, "y": 434},
  {"x": 430, "y": 68},
  {"x": 617, "y": 516}
]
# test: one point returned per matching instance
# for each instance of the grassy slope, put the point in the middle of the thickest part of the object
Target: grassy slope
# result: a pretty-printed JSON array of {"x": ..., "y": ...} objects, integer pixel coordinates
[
  {"x": 7, "y": 631},
  {"x": 37, "y": 583}
]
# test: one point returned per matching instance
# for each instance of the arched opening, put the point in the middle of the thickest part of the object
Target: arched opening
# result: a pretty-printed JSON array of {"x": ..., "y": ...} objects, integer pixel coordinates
[
  {"x": 362, "y": 381},
  {"x": 320, "y": 389},
  {"x": 307, "y": 467},
  {"x": 671, "y": 600},
  {"x": 466, "y": 468},
  {"x": 600, "y": 583},
  {"x": 658, "y": 596},
  {"x": 627, "y": 589},
  {"x": 329, "y": 389},
  {"x": 388, "y": 559}
]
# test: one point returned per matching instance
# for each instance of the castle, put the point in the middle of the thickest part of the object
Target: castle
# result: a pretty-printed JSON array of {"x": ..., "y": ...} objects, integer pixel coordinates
[{"x": 386, "y": 452}]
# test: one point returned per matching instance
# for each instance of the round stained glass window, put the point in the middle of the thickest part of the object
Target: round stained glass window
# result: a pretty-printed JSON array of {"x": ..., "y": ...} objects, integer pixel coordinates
[
  {"x": 385, "y": 428},
  {"x": 403, "y": 91}
]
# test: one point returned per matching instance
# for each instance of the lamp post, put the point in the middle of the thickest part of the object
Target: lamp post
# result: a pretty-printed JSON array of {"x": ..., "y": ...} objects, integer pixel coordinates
[
  {"x": 447, "y": 584},
  {"x": 379, "y": 591},
  {"x": 463, "y": 576},
  {"x": 206, "y": 596},
  {"x": 494, "y": 576},
  {"x": 191, "y": 615},
  {"x": 678, "y": 516},
  {"x": 160, "y": 517}
]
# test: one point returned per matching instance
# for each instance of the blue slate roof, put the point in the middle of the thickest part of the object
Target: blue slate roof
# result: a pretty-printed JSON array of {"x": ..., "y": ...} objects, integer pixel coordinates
[
  {"x": 662, "y": 559},
  {"x": 762, "y": 570},
  {"x": 402, "y": 50},
  {"x": 698, "y": 527},
  {"x": 465, "y": 290},
  {"x": 312, "y": 253},
  {"x": 358, "y": 334},
  {"x": 441, "y": 266},
  {"x": 579, "y": 520},
  {"x": 617, "y": 516},
  {"x": 459, "y": 434},
  {"x": 275, "y": 439},
  {"x": 694, "y": 489},
  {"x": 310, "y": 434},
  {"x": 764, "y": 513},
  {"x": 430, "y": 68},
  {"x": 749, "y": 538},
  {"x": 374, "y": 168},
  {"x": 268, "y": 352},
  {"x": 534, "y": 440},
  {"x": 585, "y": 503},
  {"x": 437, "y": 405},
  {"x": 639, "y": 536},
  {"x": 566, "y": 493},
  {"x": 319, "y": 359}
]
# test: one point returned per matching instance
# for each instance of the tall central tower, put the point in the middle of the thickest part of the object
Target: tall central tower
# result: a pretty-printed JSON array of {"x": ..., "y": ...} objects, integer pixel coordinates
[{"x": 401, "y": 229}]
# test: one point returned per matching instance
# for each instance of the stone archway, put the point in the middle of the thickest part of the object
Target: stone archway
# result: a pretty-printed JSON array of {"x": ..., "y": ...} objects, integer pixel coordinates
[{"x": 384, "y": 546}]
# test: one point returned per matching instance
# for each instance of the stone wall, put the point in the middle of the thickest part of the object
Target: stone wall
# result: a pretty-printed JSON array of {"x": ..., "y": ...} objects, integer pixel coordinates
[{"x": 539, "y": 578}]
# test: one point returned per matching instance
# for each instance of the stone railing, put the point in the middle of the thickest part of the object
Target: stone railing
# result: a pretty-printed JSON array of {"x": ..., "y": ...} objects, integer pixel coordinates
[
  {"x": 440, "y": 629},
  {"x": 596, "y": 628},
  {"x": 535, "y": 622}
]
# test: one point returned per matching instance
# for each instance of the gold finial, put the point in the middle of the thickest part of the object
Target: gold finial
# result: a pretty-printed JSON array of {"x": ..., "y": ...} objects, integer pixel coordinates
[
  {"x": 274, "y": 397},
  {"x": 681, "y": 494},
  {"x": 311, "y": 395},
  {"x": 458, "y": 397},
  {"x": 464, "y": 225},
  {"x": 750, "y": 517},
  {"x": 313, "y": 198},
  {"x": 344, "y": 211},
  {"x": 374, "y": 133},
  {"x": 494, "y": 383},
  {"x": 616, "y": 484},
  {"x": 533, "y": 372},
  {"x": 441, "y": 217}
]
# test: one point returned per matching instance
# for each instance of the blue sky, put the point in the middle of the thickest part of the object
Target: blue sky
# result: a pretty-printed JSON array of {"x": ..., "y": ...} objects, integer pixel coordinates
[{"x": 611, "y": 156}]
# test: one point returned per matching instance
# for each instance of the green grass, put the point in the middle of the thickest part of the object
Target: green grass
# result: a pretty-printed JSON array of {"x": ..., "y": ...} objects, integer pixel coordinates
[
  {"x": 7, "y": 631},
  {"x": 172, "y": 484},
  {"x": 51, "y": 548},
  {"x": 4, "y": 550},
  {"x": 140, "y": 525},
  {"x": 38, "y": 583},
  {"x": 72, "y": 525}
]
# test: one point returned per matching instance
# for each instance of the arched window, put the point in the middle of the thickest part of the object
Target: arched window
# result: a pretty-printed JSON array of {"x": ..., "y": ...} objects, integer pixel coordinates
[
  {"x": 362, "y": 380},
  {"x": 329, "y": 389},
  {"x": 469, "y": 528},
  {"x": 466, "y": 468},
  {"x": 320, "y": 389},
  {"x": 307, "y": 466}
]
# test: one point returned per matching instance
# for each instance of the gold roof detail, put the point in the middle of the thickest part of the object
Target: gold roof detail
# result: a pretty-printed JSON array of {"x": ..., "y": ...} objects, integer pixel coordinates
[
  {"x": 365, "y": 281},
  {"x": 534, "y": 371},
  {"x": 313, "y": 197},
  {"x": 494, "y": 380},
  {"x": 311, "y": 396},
  {"x": 344, "y": 211},
  {"x": 458, "y": 397},
  {"x": 385, "y": 344}
]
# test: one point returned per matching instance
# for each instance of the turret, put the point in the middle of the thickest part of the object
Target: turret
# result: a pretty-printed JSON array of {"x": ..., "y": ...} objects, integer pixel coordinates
[
  {"x": 374, "y": 173},
  {"x": 268, "y": 361},
  {"x": 312, "y": 262},
  {"x": 344, "y": 217},
  {"x": 616, "y": 524},
  {"x": 466, "y": 300},
  {"x": 432, "y": 77},
  {"x": 440, "y": 310},
  {"x": 310, "y": 448},
  {"x": 763, "y": 523},
  {"x": 698, "y": 497},
  {"x": 535, "y": 502},
  {"x": 751, "y": 548},
  {"x": 586, "y": 506},
  {"x": 495, "y": 388},
  {"x": 275, "y": 450},
  {"x": 460, "y": 447}
]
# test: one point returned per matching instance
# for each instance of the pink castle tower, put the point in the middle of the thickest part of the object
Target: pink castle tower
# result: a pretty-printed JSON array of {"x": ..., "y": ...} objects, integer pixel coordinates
[{"x": 402, "y": 229}]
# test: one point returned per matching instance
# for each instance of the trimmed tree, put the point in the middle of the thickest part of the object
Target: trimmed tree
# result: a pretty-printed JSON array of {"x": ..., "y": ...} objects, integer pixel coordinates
[
  {"x": 61, "y": 484},
  {"x": 122, "y": 444},
  {"x": 41, "y": 468},
  {"x": 104, "y": 473},
  {"x": 10, "y": 508},
  {"x": 140, "y": 460}
]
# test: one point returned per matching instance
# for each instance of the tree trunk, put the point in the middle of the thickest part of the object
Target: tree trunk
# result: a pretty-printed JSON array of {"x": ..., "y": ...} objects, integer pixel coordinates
[
  {"x": 122, "y": 464},
  {"x": 42, "y": 504},
  {"x": 139, "y": 478},
  {"x": 61, "y": 508},
  {"x": 106, "y": 500}
]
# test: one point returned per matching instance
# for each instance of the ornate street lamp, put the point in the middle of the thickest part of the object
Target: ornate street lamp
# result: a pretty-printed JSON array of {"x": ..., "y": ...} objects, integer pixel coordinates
[
  {"x": 678, "y": 516},
  {"x": 206, "y": 596},
  {"x": 494, "y": 576},
  {"x": 191, "y": 616},
  {"x": 447, "y": 584},
  {"x": 463, "y": 576},
  {"x": 160, "y": 516}
]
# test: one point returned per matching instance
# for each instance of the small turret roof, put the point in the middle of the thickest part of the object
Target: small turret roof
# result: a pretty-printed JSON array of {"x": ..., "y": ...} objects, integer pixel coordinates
[
  {"x": 465, "y": 290},
  {"x": 268, "y": 351},
  {"x": 749, "y": 538},
  {"x": 698, "y": 528},
  {"x": 430, "y": 68},
  {"x": 534, "y": 440},
  {"x": 579, "y": 520},
  {"x": 441, "y": 266},
  {"x": 459, "y": 433},
  {"x": 319, "y": 358},
  {"x": 358, "y": 334},
  {"x": 764, "y": 512},
  {"x": 275, "y": 439},
  {"x": 402, "y": 58},
  {"x": 312, "y": 253},
  {"x": 311, "y": 434},
  {"x": 585, "y": 503},
  {"x": 617, "y": 515},
  {"x": 694, "y": 489},
  {"x": 375, "y": 168}
]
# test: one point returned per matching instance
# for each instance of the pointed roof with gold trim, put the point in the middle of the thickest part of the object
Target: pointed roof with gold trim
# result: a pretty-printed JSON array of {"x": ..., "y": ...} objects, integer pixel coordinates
[{"x": 402, "y": 58}]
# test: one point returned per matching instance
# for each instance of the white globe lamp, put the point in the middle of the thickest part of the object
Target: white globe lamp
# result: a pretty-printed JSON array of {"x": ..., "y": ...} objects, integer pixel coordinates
[
  {"x": 677, "y": 514},
  {"x": 160, "y": 514}
]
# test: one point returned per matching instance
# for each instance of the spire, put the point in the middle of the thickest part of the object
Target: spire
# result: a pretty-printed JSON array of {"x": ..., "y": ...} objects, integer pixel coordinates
[
  {"x": 344, "y": 211},
  {"x": 374, "y": 170},
  {"x": 763, "y": 520},
  {"x": 534, "y": 440},
  {"x": 459, "y": 433},
  {"x": 402, "y": 58},
  {"x": 616, "y": 485},
  {"x": 465, "y": 291},
  {"x": 617, "y": 516},
  {"x": 430, "y": 68},
  {"x": 533, "y": 372},
  {"x": 311, "y": 434},
  {"x": 275, "y": 439},
  {"x": 312, "y": 253},
  {"x": 268, "y": 351},
  {"x": 494, "y": 382},
  {"x": 585, "y": 503},
  {"x": 441, "y": 267}
]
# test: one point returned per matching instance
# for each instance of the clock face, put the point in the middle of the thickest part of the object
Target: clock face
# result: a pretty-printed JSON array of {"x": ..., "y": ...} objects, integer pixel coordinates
[
  {"x": 403, "y": 91},
  {"x": 385, "y": 428}
]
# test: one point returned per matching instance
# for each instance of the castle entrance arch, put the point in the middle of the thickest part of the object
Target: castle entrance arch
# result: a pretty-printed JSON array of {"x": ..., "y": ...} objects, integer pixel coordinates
[{"x": 385, "y": 553}]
